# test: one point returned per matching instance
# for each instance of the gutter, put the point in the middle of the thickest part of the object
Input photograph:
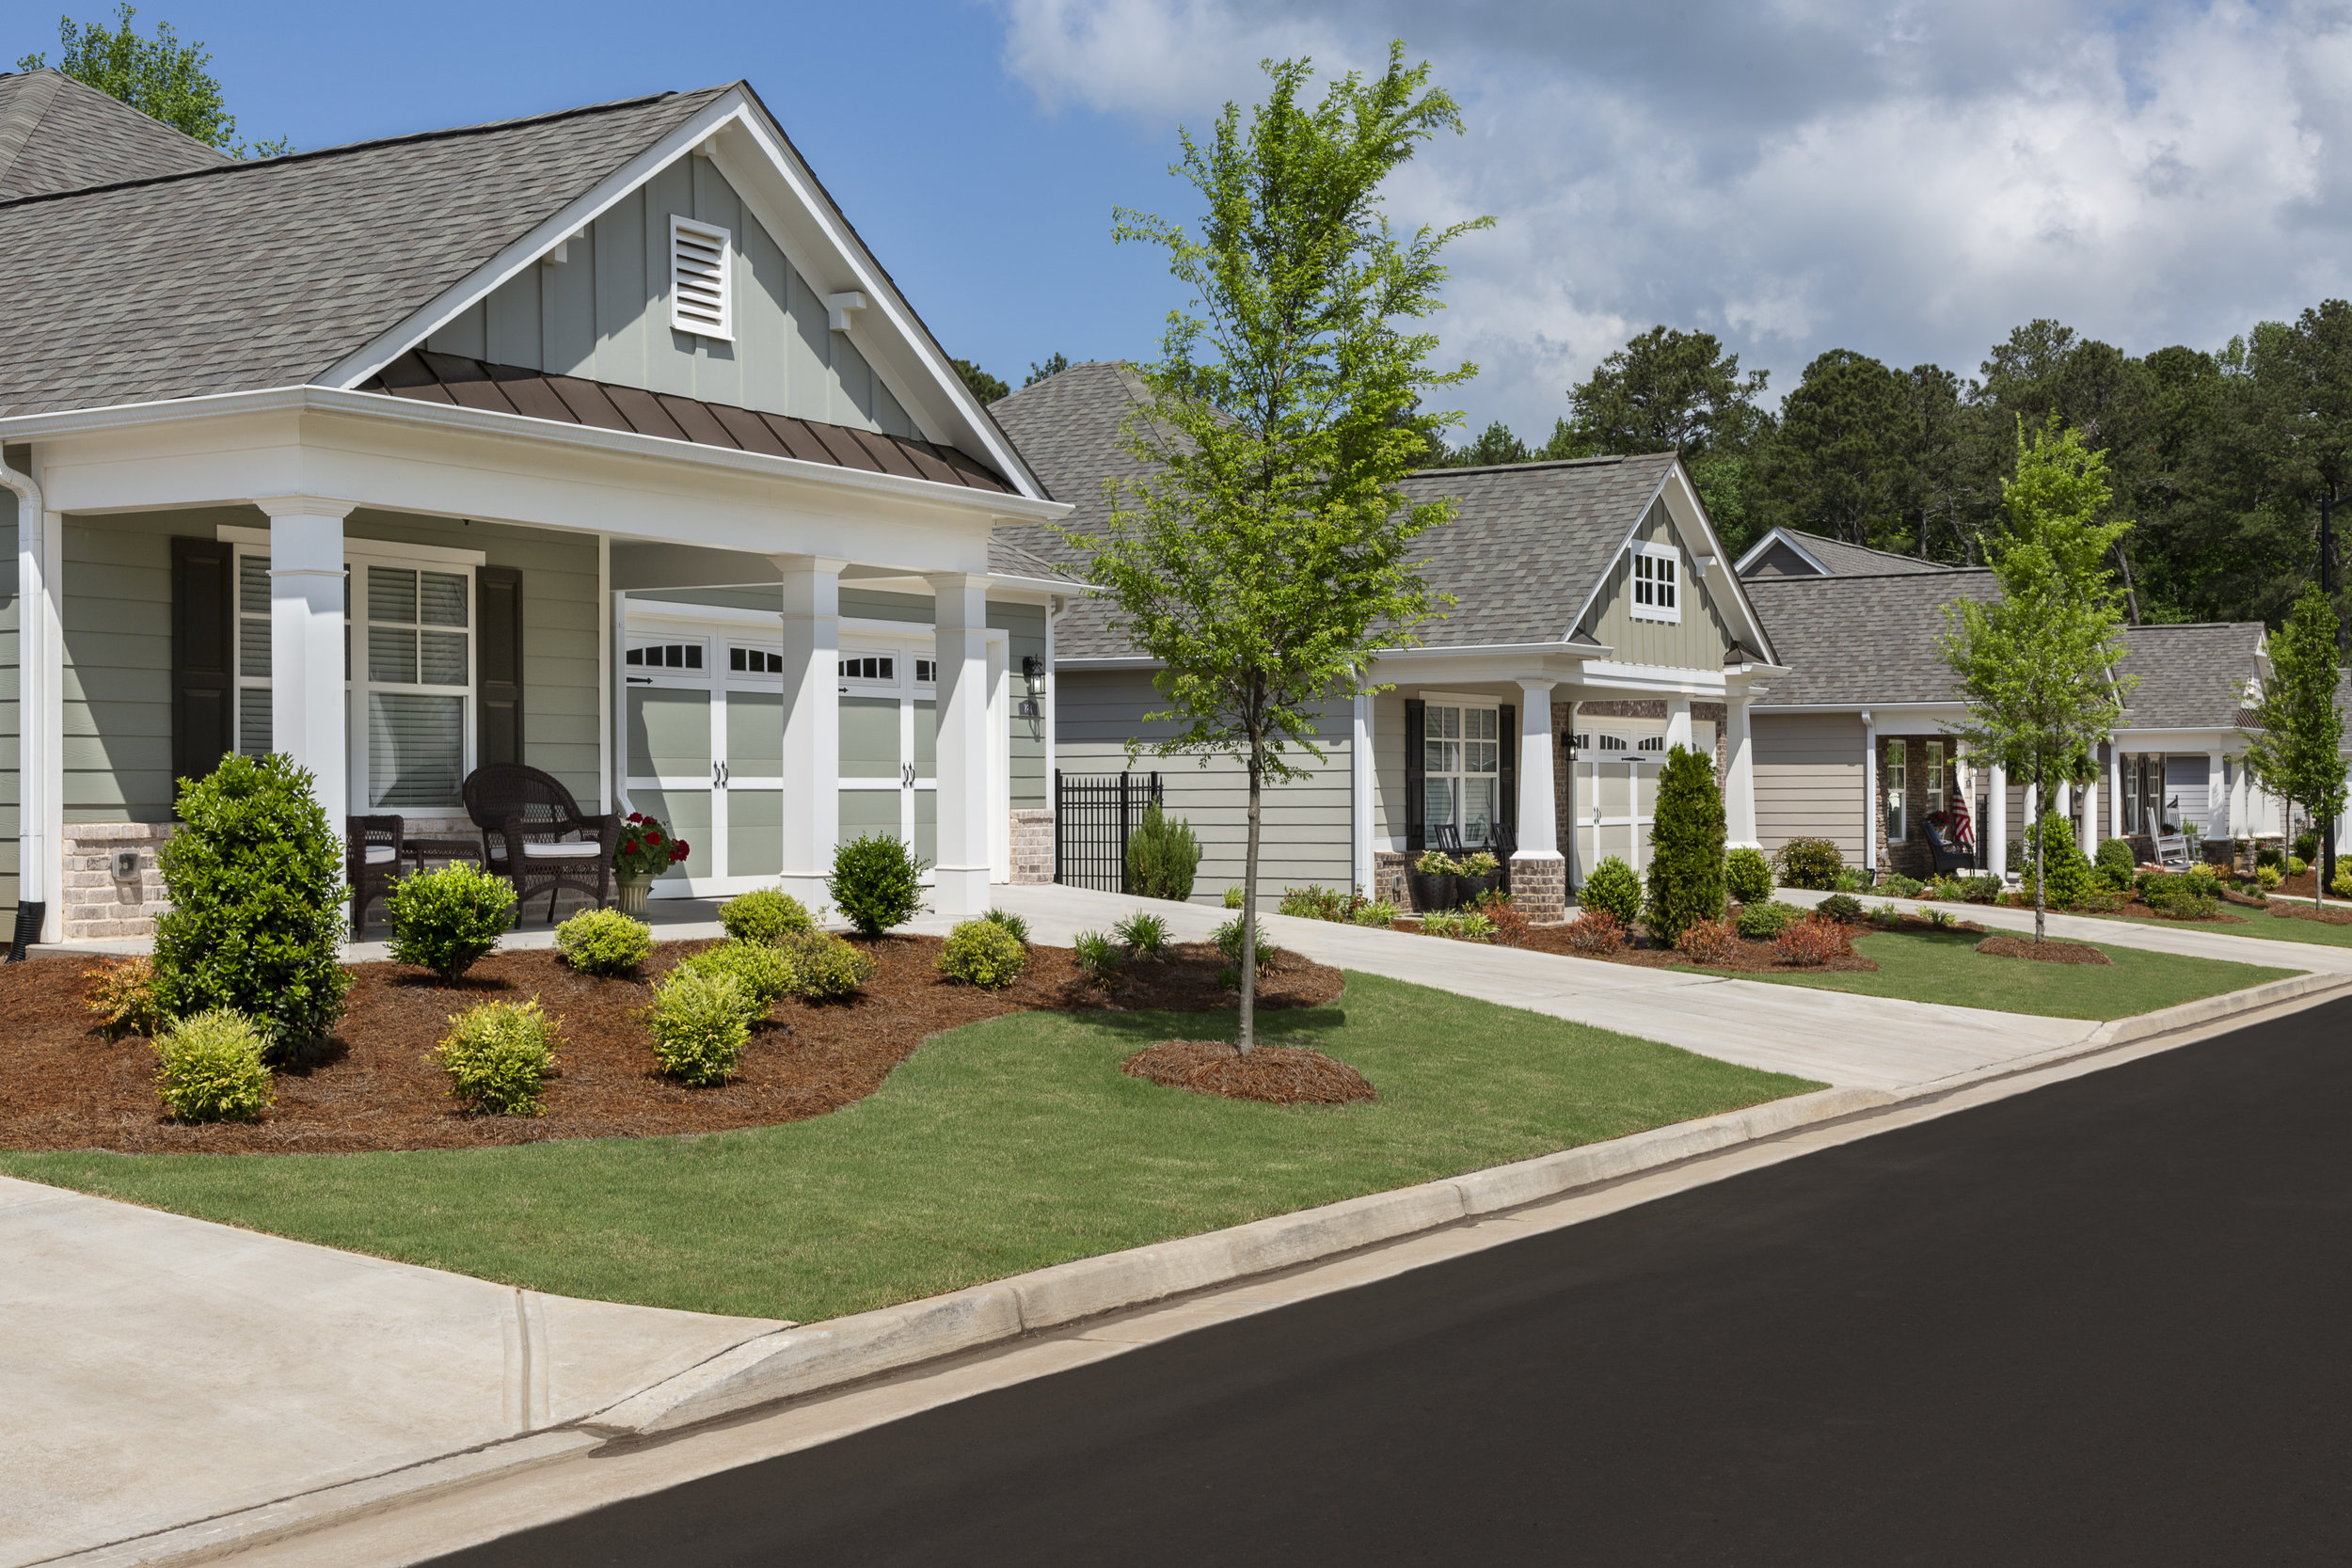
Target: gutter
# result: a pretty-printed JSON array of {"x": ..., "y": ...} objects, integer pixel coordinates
[{"x": 34, "y": 679}]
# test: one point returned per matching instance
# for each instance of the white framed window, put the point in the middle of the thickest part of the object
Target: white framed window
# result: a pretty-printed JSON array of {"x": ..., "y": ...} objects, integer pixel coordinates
[
  {"x": 1657, "y": 582},
  {"x": 869, "y": 671},
  {"x": 1936, "y": 796},
  {"x": 409, "y": 620},
  {"x": 755, "y": 661},
  {"x": 1461, "y": 767},
  {"x": 665, "y": 656},
  {"x": 701, "y": 291},
  {"x": 1897, "y": 793}
]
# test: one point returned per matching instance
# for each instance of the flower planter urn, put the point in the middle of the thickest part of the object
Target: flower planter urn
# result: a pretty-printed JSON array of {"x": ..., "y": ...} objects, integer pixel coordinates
[
  {"x": 634, "y": 891},
  {"x": 1468, "y": 889},
  {"x": 1432, "y": 891}
]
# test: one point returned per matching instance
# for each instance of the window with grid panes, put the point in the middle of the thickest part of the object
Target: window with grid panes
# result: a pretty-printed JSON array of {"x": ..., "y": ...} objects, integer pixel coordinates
[
  {"x": 419, "y": 670},
  {"x": 1461, "y": 767}
]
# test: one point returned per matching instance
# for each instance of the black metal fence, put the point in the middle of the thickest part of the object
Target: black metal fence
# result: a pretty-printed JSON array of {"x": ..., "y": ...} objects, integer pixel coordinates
[{"x": 1093, "y": 814}]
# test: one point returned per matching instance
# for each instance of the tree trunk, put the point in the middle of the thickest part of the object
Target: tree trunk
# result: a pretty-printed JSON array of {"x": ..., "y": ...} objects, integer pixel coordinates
[
  {"x": 1247, "y": 1037},
  {"x": 2041, "y": 840},
  {"x": 2131, "y": 594}
]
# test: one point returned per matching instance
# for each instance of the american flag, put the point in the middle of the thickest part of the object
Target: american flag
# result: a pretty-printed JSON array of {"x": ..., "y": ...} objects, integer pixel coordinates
[{"x": 1964, "y": 830}]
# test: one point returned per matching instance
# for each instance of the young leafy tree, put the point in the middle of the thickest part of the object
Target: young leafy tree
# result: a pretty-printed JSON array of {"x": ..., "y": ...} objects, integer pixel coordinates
[
  {"x": 2296, "y": 750},
  {"x": 2037, "y": 667},
  {"x": 1267, "y": 550},
  {"x": 160, "y": 77}
]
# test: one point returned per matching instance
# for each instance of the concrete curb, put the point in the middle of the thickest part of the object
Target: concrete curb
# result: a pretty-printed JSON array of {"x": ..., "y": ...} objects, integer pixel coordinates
[{"x": 2188, "y": 1015}]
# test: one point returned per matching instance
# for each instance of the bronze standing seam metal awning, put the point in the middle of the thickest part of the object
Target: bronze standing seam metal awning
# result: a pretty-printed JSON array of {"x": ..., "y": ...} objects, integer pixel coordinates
[{"x": 448, "y": 378}]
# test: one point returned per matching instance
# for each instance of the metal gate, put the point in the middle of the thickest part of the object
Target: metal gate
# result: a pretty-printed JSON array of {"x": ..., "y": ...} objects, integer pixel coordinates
[{"x": 1093, "y": 814}]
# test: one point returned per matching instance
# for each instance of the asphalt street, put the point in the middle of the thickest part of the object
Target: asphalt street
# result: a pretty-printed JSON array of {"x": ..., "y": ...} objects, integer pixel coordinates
[{"x": 2101, "y": 1322}]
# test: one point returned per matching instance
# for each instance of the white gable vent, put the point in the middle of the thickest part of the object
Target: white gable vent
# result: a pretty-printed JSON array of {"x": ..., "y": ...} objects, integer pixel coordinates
[{"x": 700, "y": 289}]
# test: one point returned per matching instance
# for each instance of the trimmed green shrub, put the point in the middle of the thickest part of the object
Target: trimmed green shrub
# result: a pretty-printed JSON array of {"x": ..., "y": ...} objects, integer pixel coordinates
[
  {"x": 2270, "y": 854},
  {"x": 1762, "y": 921},
  {"x": 768, "y": 914},
  {"x": 1685, "y": 867},
  {"x": 1144, "y": 936},
  {"x": 982, "y": 953},
  {"x": 1812, "y": 864},
  {"x": 2062, "y": 862},
  {"x": 2296, "y": 865},
  {"x": 499, "y": 1056},
  {"x": 2116, "y": 865},
  {"x": 1841, "y": 907},
  {"x": 1162, "y": 857},
  {"x": 445, "y": 920},
  {"x": 2269, "y": 877},
  {"x": 603, "y": 941},
  {"x": 122, "y": 991},
  {"x": 257, "y": 917},
  {"x": 825, "y": 968},
  {"x": 876, "y": 882},
  {"x": 209, "y": 1067},
  {"x": 2192, "y": 894},
  {"x": 1017, "y": 925},
  {"x": 1747, "y": 875},
  {"x": 1097, "y": 956},
  {"x": 700, "y": 1021},
  {"x": 1984, "y": 888},
  {"x": 1614, "y": 887},
  {"x": 765, "y": 972},
  {"x": 2306, "y": 845},
  {"x": 2341, "y": 886},
  {"x": 1901, "y": 886}
]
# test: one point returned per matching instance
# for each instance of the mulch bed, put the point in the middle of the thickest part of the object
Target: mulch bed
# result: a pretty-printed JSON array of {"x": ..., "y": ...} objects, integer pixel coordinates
[
  {"x": 1273, "y": 1074},
  {"x": 375, "y": 1087},
  {"x": 2048, "y": 951},
  {"x": 1754, "y": 955},
  {"x": 2138, "y": 911},
  {"x": 2326, "y": 915}
]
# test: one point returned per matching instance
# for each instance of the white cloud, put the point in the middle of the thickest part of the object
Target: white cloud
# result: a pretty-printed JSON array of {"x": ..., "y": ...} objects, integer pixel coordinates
[{"x": 1909, "y": 182}]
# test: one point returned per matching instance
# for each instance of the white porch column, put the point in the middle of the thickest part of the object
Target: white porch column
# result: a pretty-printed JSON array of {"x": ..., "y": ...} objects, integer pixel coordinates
[
  {"x": 1539, "y": 874},
  {"x": 1997, "y": 820},
  {"x": 1739, "y": 774},
  {"x": 2115, "y": 789},
  {"x": 40, "y": 728},
  {"x": 2216, "y": 797},
  {"x": 306, "y": 678},
  {"x": 1870, "y": 792},
  {"x": 961, "y": 879},
  {"x": 1678, "y": 721},
  {"x": 1360, "y": 852},
  {"x": 999, "y": 727},
  {"x": 812, "y": 723}
]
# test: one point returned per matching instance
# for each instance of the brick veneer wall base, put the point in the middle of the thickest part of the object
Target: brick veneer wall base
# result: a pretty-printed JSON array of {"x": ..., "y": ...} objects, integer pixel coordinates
[
  {"x": 1033, "y": 845},
  {"x": 97, "y": 905}
]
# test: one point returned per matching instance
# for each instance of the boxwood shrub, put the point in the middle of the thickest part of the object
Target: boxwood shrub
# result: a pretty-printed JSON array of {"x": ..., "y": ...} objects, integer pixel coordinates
[
  {"x": 769, "y": 915},
  {"x": 499, "y": 1056},
  {"x": 876, "y": 882},
  {"x": 982, "y": 953},
  {"x": 604, "y": 942},
  {"x": 1747, "y": 875},
  {"x": 447, "y": 920},
  {"x": 1612, "y": 886},
  {"x": 827, "y": 968},
  {"x": 1812, "y": 864}
]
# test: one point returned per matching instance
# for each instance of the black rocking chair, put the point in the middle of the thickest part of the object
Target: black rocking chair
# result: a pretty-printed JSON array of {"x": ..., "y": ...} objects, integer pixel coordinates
[
  {"x": 534, "y": 834},
  {"x": 372, "y": 846}
]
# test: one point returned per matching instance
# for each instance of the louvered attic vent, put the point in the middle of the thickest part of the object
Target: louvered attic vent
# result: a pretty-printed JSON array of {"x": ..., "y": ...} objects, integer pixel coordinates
[{"x": 699, "y": 292}]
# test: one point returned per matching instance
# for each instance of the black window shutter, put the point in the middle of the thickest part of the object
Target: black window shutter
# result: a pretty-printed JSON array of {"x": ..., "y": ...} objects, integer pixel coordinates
[
  {"x": 1507, "y": 728},
  {"x": 204, "y": 677},
  {"x": 1416, "y": 777},
  {"x": 499, "y": 688}
]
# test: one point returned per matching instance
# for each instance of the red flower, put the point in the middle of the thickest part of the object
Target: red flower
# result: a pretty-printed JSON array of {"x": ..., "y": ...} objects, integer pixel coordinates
[
  {"x": 677, "y": 852},
  {"x": 653, "y": 835},
  {"x": 635, "y": 817}
]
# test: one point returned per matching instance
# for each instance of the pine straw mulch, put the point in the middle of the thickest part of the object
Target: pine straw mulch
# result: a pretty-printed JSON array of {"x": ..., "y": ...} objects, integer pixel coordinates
[
  {"x": 1275, "y": 1074},
  {"x": 2049, "y": 950},
  {"x": 2137, "y": 911},
  {"x": 374, "y": 1084}
]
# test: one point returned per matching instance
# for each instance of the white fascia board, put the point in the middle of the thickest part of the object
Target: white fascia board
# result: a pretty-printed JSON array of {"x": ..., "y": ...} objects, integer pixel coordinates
[
  {"x": 1655, "y": 677},
  {"x": 380, "y": 408},
  {"x": 1958, "y": 710},
  {"x": 484, "y": 280},
  {"x": 1682, "y": 497},
  {"x": 1779, "y": 536}
]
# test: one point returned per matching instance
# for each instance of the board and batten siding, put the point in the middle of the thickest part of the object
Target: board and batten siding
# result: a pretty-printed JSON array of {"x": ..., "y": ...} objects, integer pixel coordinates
[
  {"x": 603, "y": 314},
  {"x": 1809, "y": 779},
  {"x": 11, "y": 793},
  {"x": 117, "y": 613},
  {"x": 1305, "y": 824},
  {"x": 1698, "y": 641}
]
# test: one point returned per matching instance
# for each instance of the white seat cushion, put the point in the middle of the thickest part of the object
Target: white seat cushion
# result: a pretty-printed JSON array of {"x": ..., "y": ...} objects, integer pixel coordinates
[
  {"x": 379, "y": 854},
  {"x": 561, "y": 851}
]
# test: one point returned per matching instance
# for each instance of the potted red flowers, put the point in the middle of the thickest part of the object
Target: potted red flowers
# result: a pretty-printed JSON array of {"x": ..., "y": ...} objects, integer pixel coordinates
[{"x": 646, "y": 849}]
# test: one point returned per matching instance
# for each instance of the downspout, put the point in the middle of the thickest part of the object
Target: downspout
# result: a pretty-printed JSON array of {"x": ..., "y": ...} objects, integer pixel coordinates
[
  {"x": 32, "y": 648},
  {"x": 1869, "y": 793}
]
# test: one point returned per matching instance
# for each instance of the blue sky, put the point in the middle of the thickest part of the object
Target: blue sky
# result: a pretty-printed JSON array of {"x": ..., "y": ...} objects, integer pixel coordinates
[{"x": 1908, "y": 180}]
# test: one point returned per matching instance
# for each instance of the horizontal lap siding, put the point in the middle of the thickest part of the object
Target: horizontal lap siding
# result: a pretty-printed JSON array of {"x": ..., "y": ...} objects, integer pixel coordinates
[
  {"x": 1809, "y": 779},
  {"x": 1304, "y": 824},
  {"x": 1023, "y": 626}
]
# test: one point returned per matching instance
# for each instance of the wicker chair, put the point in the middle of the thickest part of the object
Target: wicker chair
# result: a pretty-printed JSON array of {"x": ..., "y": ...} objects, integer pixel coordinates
[
  {"x": 534, "y": 834},
  {"x": 372, "y": 847}
]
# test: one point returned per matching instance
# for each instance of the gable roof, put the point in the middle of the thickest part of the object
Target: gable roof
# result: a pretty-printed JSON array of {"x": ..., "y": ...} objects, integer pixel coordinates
[
  {"x": 424, "y": 377},
  {"x": 1862, "y": 639},
  {"x": 1818, "y": 555},
  {"x": 2191, "y": 676},
  {"x": 261, "y": 273},
  {"x": 1529, "y": 543},
  {"x": 60, "y": 134}
]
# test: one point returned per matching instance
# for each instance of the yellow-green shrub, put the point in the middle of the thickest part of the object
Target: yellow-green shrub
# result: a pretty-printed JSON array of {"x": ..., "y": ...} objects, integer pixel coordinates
[
  {"x": 982, "y": 953},
  {"x": 700, "y": 1023},
  {"x": 769, "y": 915},
  {"x": 603, "y": 941},
  {"x": 209, "y": 1067},
  {"x": 825, "y": 968},
  {"x": 499, "y": 1056},
  {"x": 122, "y": 991},
  {"x": 765, "y": 972}
]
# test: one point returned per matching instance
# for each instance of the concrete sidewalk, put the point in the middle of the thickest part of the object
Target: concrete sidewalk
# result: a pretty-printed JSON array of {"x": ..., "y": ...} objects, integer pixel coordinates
[
  {"x": 156, "y": 1370},
  {"x": 1835, "y": 1037},
  {"x": 2319, "y": 957}
]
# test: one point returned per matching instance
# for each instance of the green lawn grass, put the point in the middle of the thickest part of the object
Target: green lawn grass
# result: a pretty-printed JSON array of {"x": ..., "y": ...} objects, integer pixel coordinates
[
  {"x": 1945, "y": 966},
  {"x": 996, "y": 1148},
  {"x": 2258, "y": 923}
]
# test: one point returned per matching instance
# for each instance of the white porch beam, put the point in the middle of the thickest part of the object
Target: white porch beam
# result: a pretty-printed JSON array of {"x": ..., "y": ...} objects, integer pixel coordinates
[
  {"x": 959, "y": 880},
  {"x": 308, "y": 708},
  {"x": 812, "y": 723},
  {"x": 1740, "y": 773}
]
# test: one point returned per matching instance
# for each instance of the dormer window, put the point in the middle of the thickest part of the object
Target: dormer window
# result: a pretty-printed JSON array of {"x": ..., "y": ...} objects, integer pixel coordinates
[
  {"x": 701, "y": 290},
  {"x": 1657, "y": 583}
]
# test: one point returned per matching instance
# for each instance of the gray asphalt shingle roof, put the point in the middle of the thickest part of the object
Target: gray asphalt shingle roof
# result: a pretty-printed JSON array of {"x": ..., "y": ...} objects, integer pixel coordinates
[
  {"x": 2191, "y": 677},
  {"x": 1863, "y": 638},
  {"x": 60, "y": 134},
  {"x": 1844, "y": 560},
  {"x": 263, "y": 273},
  {"x": 1528, "y": 542}
]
